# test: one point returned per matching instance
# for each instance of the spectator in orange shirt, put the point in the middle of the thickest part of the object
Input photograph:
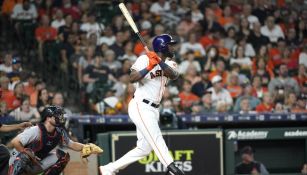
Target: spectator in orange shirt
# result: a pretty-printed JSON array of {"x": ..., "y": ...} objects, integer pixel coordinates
[
  {"x": 226, "y": 19},
  {"x": 29, "y": 86},
  {"x": 233, "y": 85},
  {"x": 187, "y": 98},
  {"x": 267, "y": 103},
  {"x": 45, "y": 32},
  {"x": 220, "y": 70},
  {"x": 39, "y": 85}
]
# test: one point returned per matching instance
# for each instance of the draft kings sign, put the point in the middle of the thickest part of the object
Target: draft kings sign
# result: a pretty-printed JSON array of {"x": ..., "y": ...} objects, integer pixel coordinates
[{"x": 196, "y": 153}]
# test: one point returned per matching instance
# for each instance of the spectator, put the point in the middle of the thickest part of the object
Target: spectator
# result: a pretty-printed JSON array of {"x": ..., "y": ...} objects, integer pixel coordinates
[
  {"x": 189, "y": 59},
  {"x": 206, "y": 102},
  {"x": 7, "y": 95},
  {"x": 263, "y": 71},
  {"x": 301, "y": 30},
  {"x": 187, "y": 98},
  {"x": 245, "y": 29},
  {"x": 245, "y": 108},
  {"x": 279, "y": 108},
  {"x": 25, "y": 112},
  {"x": 303, "y": 56},
  {"x": 290, "y": 101},
  {"x": 226, "y": 19},
  {"x": 29, "y": 86},
  {"x": 85, "y": 61},
  {"x": 125, "y": 68},
  {"x": 111, "y": 62},
  {"x": 199, "y": 88},
  {"x": 283, "y": 80},
  {"x": 221, "y": 107},
  {"x": 256, "y": 38},
  {"x": 301, "y": 104},
  {"x": 39, "y": 85},
  {"x": 249, "y": 51},
  {"x": 193, "y": 45},
  {"x": 272, "y": 30},
  {"x": 108, "y": 37},
  {"x": 129, "y": 55},
  {"x": 96, "y": 73},
  {"x": 7, "y": 67},
  {"x": 15, "y": 75},
  {"x": 195, "y": 12},
  {"x": 58, "y": 100},
  {"x": 24, "y": 16},
  {"x": 219, "y": 93},
  {"x": 229, "y": 40},
  {"x": 248, "y": 165},
  {"x": 291, "y": 38},
  {"x": 65, "y": 29},
  {"x": 301, "y": 78},
  {"x": 220, "y": 70},
  {"x": 209, "y": 63},
  {"x": 244, "y": 61},
  {"x": 247, "y": 13},
  {"x": 92, "y": 26},
  {"x": 159, "y": 7},
  {"x": 117, "y": 47},
  {"x": 266, "y": 105},
  {"x": 186, "y": 24},
  {"x": 192, "y": 74},
  {"x": 172, "y": 17},
  {"x": 247, "y": 93},
  {"x": 258, "y": 88},
  {"x": 59, "y": 21},
  {"x": 70, "y": 9},
  {"x": 233, "y": 85},
  {"x": 18, "y": 95},
  {"x": 45, "y": 35},
  {"x": 43, "y": 99}
]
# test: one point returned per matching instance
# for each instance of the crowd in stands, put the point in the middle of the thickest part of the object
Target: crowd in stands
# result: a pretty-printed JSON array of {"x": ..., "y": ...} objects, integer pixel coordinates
[{"x": 233, "y": 56}]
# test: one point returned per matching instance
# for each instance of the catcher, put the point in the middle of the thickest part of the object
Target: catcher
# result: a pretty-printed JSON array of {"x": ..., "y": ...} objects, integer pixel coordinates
[{"x": 35, "y": 148}]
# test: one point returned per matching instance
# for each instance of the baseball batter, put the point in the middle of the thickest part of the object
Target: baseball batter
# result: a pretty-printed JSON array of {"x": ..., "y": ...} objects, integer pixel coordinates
[
  {"x": 150, "y": 74},
  {"x": 34, "y": 149}
]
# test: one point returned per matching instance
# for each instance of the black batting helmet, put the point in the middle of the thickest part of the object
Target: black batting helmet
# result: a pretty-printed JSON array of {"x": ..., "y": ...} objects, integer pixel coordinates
[{"x": 54, "y": 111}]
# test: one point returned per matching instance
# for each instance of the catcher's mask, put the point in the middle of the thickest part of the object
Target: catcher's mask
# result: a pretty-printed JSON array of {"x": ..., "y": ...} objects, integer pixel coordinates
[{"x": 56, "y": 112}]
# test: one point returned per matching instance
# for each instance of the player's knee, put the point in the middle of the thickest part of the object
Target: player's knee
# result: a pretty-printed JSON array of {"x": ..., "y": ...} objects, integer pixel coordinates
[{"x": 63, "y": 156}]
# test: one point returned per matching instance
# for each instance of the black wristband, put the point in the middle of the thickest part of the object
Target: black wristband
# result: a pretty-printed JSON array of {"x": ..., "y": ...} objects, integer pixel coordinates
[{"x": 143, "y": 72}]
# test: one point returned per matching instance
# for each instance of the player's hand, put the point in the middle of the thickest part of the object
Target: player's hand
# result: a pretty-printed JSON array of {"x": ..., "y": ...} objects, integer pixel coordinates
[
  {"x": 25, "y": 125},
  {"x": 154, "y": 59}
]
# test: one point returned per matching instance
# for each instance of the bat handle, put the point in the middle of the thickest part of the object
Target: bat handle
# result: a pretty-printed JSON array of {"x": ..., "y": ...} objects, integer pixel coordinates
[{"x": 143, "y": 42}]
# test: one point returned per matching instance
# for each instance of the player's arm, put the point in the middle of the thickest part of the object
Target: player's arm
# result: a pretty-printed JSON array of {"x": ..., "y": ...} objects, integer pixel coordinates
[
  {"x": 8, "y": 128},
  {"x": 138, "y": 75},
  {"x": 16, "y": 142},
  {"x": 168, "y": 71},
  {"x": 76, "y": 146}
]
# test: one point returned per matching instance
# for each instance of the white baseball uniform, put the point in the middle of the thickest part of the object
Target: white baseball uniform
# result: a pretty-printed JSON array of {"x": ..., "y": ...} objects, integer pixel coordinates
[{"x": 146, "y": 117}]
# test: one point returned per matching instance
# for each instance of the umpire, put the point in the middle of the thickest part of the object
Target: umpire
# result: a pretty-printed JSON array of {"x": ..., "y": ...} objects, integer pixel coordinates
[{"x": 4, "y": 152}]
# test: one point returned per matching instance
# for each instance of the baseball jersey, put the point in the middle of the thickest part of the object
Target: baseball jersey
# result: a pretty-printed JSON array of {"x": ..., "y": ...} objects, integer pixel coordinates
[{"x": 152, "y": 86}]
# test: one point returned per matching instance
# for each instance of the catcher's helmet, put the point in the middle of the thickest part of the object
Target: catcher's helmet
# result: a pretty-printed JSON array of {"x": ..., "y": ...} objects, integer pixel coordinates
[
  {"x": 160, "y": 43},
  {"x": 54, "y": 111}
]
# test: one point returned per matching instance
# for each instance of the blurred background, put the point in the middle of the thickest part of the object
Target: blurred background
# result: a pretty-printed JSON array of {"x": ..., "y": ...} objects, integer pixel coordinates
[{"x": 242, "y": 66}]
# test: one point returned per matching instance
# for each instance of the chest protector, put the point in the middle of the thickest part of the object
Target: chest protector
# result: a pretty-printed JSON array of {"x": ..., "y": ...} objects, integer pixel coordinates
[{"x": 47, "y": 142}]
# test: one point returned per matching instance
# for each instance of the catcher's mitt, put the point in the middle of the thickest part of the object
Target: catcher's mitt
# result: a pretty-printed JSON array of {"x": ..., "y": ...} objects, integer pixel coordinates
[{"x": 89, "y": 149}]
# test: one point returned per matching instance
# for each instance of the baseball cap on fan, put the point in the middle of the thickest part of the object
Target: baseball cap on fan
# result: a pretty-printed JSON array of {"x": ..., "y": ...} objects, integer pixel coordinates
[
  {"x": 16, "y": 60},
  {"x": 216, "y": 79}
]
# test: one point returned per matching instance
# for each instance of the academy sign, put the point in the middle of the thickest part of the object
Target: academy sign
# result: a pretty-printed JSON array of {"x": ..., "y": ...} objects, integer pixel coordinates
[{"x": 246, "y": 135}]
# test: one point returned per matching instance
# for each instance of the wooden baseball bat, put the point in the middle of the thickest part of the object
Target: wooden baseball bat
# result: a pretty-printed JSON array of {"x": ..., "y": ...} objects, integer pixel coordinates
[{"x": 132, "y": 24}]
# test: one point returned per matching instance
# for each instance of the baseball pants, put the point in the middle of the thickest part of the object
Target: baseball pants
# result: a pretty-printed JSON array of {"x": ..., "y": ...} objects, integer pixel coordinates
[{"x": 149, "y": 135}]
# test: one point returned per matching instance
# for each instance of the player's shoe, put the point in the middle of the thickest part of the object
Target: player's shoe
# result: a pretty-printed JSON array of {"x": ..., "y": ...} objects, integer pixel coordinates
[{"x": 105, "y": 171}]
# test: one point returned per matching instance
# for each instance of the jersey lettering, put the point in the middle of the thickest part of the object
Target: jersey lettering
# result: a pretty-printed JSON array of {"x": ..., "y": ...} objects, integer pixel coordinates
[{"x": 158, "y": 73}]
